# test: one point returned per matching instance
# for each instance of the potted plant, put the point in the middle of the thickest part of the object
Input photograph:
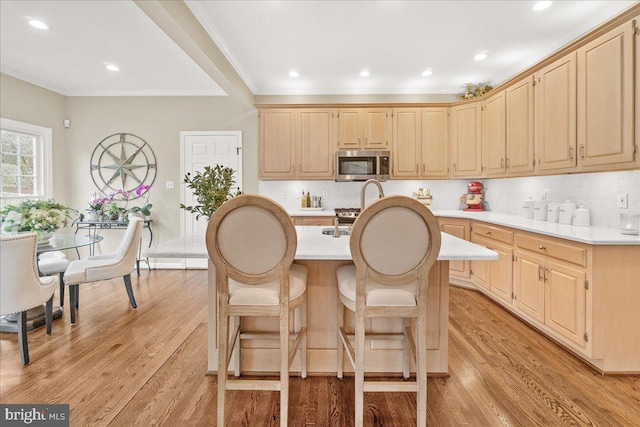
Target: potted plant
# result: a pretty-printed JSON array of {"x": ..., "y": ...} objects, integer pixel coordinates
[
  {"x": 145, "y": 209},
  {"x": 212, "y": 188}
]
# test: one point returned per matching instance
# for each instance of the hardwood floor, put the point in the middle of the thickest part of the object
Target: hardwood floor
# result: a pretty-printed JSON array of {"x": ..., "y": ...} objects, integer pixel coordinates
[{"x": 119, "y": 367}]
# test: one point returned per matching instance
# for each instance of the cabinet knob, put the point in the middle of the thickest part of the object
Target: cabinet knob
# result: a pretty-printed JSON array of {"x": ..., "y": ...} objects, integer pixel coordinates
[
  {"x": 488, "y": 232},
  {"x": 542, "y": 248}
]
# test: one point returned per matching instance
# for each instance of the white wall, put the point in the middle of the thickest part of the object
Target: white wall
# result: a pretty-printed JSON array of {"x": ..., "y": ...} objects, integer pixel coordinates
[{"x": 595, "y": 191}]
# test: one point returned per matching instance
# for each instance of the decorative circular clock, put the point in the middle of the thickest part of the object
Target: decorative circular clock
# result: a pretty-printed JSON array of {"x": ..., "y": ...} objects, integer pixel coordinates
[{"x": 122, "y": 161}]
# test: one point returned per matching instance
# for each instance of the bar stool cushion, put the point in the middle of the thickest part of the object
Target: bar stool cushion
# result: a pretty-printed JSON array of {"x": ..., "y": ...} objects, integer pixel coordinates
[
  {"x": 269, "y": 293},
  {"x": 377, "y": 295}
]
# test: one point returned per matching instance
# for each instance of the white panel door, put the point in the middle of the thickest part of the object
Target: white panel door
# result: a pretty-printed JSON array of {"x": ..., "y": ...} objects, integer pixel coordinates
[{"x": 197, "y": 150}]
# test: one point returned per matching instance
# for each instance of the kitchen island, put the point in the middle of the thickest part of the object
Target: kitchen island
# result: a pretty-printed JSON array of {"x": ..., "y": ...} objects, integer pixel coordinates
[{"x": 322, "y": 255}]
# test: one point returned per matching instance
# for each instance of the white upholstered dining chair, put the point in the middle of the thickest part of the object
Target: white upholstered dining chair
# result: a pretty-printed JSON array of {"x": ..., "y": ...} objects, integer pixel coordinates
[
  {"x": 104, "y": 267},
  {"x": 54, "y": 262},
  {"x": 251, "y": 241},
  {"x": 21, "y": 288},
  {"x": 394, "y": 243}
]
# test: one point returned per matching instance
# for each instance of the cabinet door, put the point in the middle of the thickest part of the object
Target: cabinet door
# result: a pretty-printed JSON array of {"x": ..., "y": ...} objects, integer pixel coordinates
[
  {"x": 435, "y": 142},
  {"x": 350, "y": 128},
  {"x": 481, "y": 270},
  {"x": 376, "y": 128},
  {"x": 565, "y": 301},
  {"x": 605, "y": 100},
  {"x": 501, "y": 273},
  {"x": 494, "y": 144},
  {"x": 277, "y": 143},
  {"x": 316, "y": 143},
  {"x": 636, "y": 26},
  {"x": 520, "y": 128},
  {"x": 406, "y": 142},
  {"x": 556, "y": 114},
  {"x": 460, "y": 229},
  {"x": 465, "y": 140},
  {"x": 529, "y": 285}
]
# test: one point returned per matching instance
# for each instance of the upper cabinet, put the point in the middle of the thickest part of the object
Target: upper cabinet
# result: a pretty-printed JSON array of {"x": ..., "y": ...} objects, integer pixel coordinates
[
  {"x": 494, "y": 144},
  {"x": 555, "y": 93},
  {"x": 435, "y": 142},
  {"x": 406, "y": 142},
  {"x": 520, "y": 127},
  {"x": 277, "y": 143},
  {"x": 466, "y": 147},
  {"x": 363, "y": 128},
  {"x": 605, "y": 100},
  {"x": 297, "y": 143}
]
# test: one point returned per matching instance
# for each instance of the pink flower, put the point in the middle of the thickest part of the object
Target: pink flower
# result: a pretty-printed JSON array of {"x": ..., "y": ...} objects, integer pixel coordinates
[{"x": 141, "y": 189}]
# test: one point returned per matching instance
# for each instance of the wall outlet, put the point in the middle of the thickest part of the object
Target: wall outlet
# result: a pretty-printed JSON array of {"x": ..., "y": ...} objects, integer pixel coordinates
[
  {"x": 169, "y": 185},
  {"x": 325, "y": 194},
  {"x": 285, "y": 195},
  {"x": 621, "y": 200}
]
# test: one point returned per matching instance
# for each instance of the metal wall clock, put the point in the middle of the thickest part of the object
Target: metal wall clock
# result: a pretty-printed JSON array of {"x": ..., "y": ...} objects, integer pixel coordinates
[{"x": 122, "y": 161}]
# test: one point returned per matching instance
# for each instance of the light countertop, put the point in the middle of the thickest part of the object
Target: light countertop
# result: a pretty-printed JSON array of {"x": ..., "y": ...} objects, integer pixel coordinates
[
  {"x": 313, "y": 245},
  {"x": 589, "y": 235}
]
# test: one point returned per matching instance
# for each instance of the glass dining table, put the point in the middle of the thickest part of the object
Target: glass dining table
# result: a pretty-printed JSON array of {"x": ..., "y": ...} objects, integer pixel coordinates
[{"x": 59, "y": 242}]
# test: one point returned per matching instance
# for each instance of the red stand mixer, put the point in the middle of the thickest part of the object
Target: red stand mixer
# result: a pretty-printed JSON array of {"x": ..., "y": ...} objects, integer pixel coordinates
[{"x": 473, "y": 197}]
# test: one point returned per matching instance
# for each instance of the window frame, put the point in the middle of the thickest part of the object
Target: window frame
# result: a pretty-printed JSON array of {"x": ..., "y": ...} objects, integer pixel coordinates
[{"x": 44, "y": 157}]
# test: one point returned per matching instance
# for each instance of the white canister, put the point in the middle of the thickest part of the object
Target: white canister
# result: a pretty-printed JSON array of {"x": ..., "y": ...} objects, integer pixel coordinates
[
  {"x": 582, "y": 217},
  {"x": 553, "y": 210},
  {"x": 527, "y": 208},
  {"x": 540, "y": 210},
  {"x": 566, "y": 212}
]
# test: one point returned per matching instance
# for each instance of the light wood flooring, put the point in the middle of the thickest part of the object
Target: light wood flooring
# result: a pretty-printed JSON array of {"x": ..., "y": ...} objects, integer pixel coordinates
[{"x": 119, "y": 367}]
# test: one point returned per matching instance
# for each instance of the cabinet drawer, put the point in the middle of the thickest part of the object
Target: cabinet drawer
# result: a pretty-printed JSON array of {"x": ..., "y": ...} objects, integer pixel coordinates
[
  {"x": 569, "y": 253},
  {"x": 494, "y": 233},
  {"x": 313, "y": 220}
]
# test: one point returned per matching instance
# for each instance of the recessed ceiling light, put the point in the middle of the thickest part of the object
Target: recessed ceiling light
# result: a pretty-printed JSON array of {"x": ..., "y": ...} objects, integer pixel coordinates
[
  {"x": 112, "y": 67},
  {"x": 481, "y": 56},
  {"x": 293, "y": 73},
  {"x": 39, "y": 24},
  {"x": 541, "y": 5},
  {"x": 365, "y": 73},
  {"x": 427, "y": 73}
]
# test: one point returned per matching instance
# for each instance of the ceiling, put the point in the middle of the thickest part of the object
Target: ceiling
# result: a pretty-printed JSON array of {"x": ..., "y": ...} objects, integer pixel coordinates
[{"x": 328, "y": 42}]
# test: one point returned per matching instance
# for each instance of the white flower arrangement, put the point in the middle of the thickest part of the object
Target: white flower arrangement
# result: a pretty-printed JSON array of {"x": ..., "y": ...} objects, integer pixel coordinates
[{"x": 40, "y": 216}]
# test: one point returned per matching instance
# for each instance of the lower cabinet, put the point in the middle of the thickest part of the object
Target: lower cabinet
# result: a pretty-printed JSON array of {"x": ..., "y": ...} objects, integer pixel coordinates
[
  {"x": 460, "y": 228},
  {"x": 585, "y": 297},
  {"x": 313, "y": 220}
]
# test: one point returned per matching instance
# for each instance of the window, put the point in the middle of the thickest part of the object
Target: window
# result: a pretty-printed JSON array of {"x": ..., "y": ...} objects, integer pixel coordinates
[{"x": 25, "y": 172}]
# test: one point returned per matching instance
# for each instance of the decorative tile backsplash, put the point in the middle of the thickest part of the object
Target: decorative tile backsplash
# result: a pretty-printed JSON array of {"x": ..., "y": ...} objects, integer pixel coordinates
[{"x": 596, "y": 191}]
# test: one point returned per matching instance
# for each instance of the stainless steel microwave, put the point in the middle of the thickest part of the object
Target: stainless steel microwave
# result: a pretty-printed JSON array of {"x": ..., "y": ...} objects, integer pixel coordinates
[{"x": 361, "y": 165}]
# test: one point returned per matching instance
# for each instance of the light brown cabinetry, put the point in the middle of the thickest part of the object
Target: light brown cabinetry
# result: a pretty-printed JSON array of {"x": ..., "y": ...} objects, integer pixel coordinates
[
  {"x": 520, "y": 127},
  {"x": 277, "y": 143},
  {"x": 420, "y": 145},
  {"x": 406, "y": 142},
  {"x": 313, "y": 220},
  {"x": 496, "y": 276},
  {"x": 605, "y": 101},
  {"x": 460, "y": 228},
  {"x": 493, "y": 142},
  {"x": 466, "y": 135},
  {"x": 636, "y": 40},
  {"x": 296, "y": 143},
  {"x": 559, "y": 271},
  {"x": 555, "y": 93},
  {"x": 363, "y": 128}
]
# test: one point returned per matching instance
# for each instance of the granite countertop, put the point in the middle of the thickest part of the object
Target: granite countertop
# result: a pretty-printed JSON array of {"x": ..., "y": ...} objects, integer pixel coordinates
[{"x": 313, "y": 245}]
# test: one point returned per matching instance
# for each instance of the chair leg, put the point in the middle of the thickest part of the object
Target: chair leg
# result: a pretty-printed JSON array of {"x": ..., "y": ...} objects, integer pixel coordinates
[
  {"x": 127, "y": 285},
  {"x": 303, "y": 344},
  {"x": 421, "y": 368},
  {"x": 406, "y": 347},
  {"x": 340, "y": 349},
  {"x": 359, "y": 374},
  {"x": 22, "y": 337},
  {"x": 48, "y": 314},
  {"x": 73, "y": 295},
  {"x": 284, "y": 366},
  {"x": 236, "y": 346},
  {"x": 61, "y": 289},
  {"x": 78, "y": 297},
  {"x": 223, "y": 344}
]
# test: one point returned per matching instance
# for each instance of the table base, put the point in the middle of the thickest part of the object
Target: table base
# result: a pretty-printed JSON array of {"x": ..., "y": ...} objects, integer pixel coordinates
[{"x": 35, "y": 319}]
